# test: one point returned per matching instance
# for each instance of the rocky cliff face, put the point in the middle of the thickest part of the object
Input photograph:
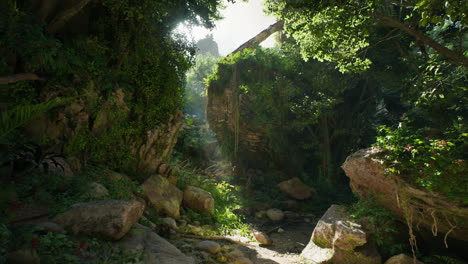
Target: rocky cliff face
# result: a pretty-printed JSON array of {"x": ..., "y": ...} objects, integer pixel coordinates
[
  {"x": 414, "y": 206},
  {"x": 93, "y": 128},
  {"x": 228, "y": 113}
]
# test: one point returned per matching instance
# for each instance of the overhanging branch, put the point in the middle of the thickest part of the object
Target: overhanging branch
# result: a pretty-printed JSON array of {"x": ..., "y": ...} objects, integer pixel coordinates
[
  {"x": 260, "y": 37},
  {"x": 60, "y": 20},
  {"x": 454, "y": 56}
]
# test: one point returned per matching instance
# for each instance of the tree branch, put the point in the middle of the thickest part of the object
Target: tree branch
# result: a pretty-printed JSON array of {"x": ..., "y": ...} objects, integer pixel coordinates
[
  {"x": 59, "y": 21},
  {"x": 260, "y": 37},
  {"x": 450, "y": 54},
  {"x": 19, "y": 77}
]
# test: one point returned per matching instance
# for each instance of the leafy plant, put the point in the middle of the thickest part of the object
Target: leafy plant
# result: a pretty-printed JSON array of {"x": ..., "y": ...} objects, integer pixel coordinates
[
  {"x": 20, "y": 115},
  {"x": 432, "y": 162},
  {"x": 440, "y": 259},
  {"x": 381, "y": 223},
  {"x": 227, "y": 199}
]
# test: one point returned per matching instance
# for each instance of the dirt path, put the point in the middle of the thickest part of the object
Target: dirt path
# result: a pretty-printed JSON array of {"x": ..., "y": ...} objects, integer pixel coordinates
[
  {"x": 287, "y": 245},
  {"x": 286, "y": 248}
]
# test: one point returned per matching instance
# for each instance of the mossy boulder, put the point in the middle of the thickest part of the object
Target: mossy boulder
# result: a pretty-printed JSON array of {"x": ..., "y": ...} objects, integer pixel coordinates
[
  {"x": 163, "y": 196},
  {"x": 366, "y": 170},
  {"x": 338, "y": 238}
]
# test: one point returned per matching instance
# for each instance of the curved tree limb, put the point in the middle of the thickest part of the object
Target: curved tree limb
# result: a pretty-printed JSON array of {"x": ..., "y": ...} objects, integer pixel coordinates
[
  {"x": 450, "y": 54},
  {"x": 260, "y": 37},
  {"x": 19, "y": 77},
  {"x": 59, "y": 21}
]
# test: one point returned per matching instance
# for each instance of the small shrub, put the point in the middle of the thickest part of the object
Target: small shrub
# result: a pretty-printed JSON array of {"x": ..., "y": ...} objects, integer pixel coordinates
[
  {"x": 226, "y": 199},
  {"x": 382, "y": 224}
]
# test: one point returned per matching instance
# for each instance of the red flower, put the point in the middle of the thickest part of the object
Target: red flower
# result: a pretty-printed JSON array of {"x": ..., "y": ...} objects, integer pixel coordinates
[
  {"x": 408, "y": 147},
  {"x": 458, "y": 162},
  {"x": 442, "y": 143},
  {"x": 34, "y": 243}
]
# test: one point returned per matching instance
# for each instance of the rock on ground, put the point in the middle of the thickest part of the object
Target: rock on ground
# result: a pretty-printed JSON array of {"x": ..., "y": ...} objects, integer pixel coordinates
[
  {"x": 275, "y": 214},
  {"x": 337, "y": 238},
  {"x": 336, "y": 228},
  {"x": 110, "y": 219},
  {"x": 152, "y": 248},
  {"x": 208, "y": 246},
  {"x": 296, "y": 189},
  {"x": 242, "y": 260},
  {"x": 262, "y": 238},
  {"x": 402, "y": 259},
  {"x": 97, "y": 190},
  {"x": 169, "y": 222},
  {"x": 163, "y": 196},
  {"x": 199, "y": 200}
]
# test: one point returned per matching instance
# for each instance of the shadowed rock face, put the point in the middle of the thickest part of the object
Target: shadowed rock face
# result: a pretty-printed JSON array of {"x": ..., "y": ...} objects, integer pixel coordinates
[
  {"x": 148, "y": 245},
  {"x": 150, "y": 149},
  {"x": 229, "y": 111},
  {"x": 367, "y": 174}
]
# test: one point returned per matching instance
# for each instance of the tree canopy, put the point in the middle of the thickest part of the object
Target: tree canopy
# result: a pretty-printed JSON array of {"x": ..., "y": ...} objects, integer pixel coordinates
[{"x": 342, "y": 31}]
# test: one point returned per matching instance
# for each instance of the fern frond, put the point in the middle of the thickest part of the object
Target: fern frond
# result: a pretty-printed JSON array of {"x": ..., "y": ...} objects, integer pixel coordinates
[
  {"x": 20, "y": 115},
  {"x": 447, "y": 259}
]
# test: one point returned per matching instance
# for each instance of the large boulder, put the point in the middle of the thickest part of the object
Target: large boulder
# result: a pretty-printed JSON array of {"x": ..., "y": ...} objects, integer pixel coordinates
[
  {"x": 402, "y": 259},
  {"x": 296, "y": 189},
  {"x": 109, "y": 219},
  {"x": 199, "y": 200},
  {"x": 336, "y": 228},
  {"x": 338, "y": 238},
  {"x": 366, "y": 171},
  {"x": 163, "y": 196},
  {"x": 151, "y": 248}
]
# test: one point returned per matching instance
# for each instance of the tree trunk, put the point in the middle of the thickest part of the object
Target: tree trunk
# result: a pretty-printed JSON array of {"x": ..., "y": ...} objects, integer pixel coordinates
[
  {"x": 326, "y": 159},
  {"x": 19, "y": 77},
  {"x": 59, "y": 21},
  {"x": 452, "y": 55},
  {"x": 260, "y": 37}
]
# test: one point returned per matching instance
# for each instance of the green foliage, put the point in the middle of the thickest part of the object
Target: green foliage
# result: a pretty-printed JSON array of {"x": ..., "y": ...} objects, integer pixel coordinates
[
  {"x": 380, "y": 219},
  {"x": 196, "y": 82},
  {"x": 382, "y": 224},
  {"x": 440, "y": 259},
  {"x": 196, "y": 141},
  {"x": 5, "y": 237},
  {"x": 226, "y": 197},
  {"x": 310, "y": 115},
  {"x": 340, "y": 31},
  {"x": 118, "y": 45},
  {"x": 57, "y": 248},
  {"x": 18, "y": 116},
  {"x": 433, "y": 162}
]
